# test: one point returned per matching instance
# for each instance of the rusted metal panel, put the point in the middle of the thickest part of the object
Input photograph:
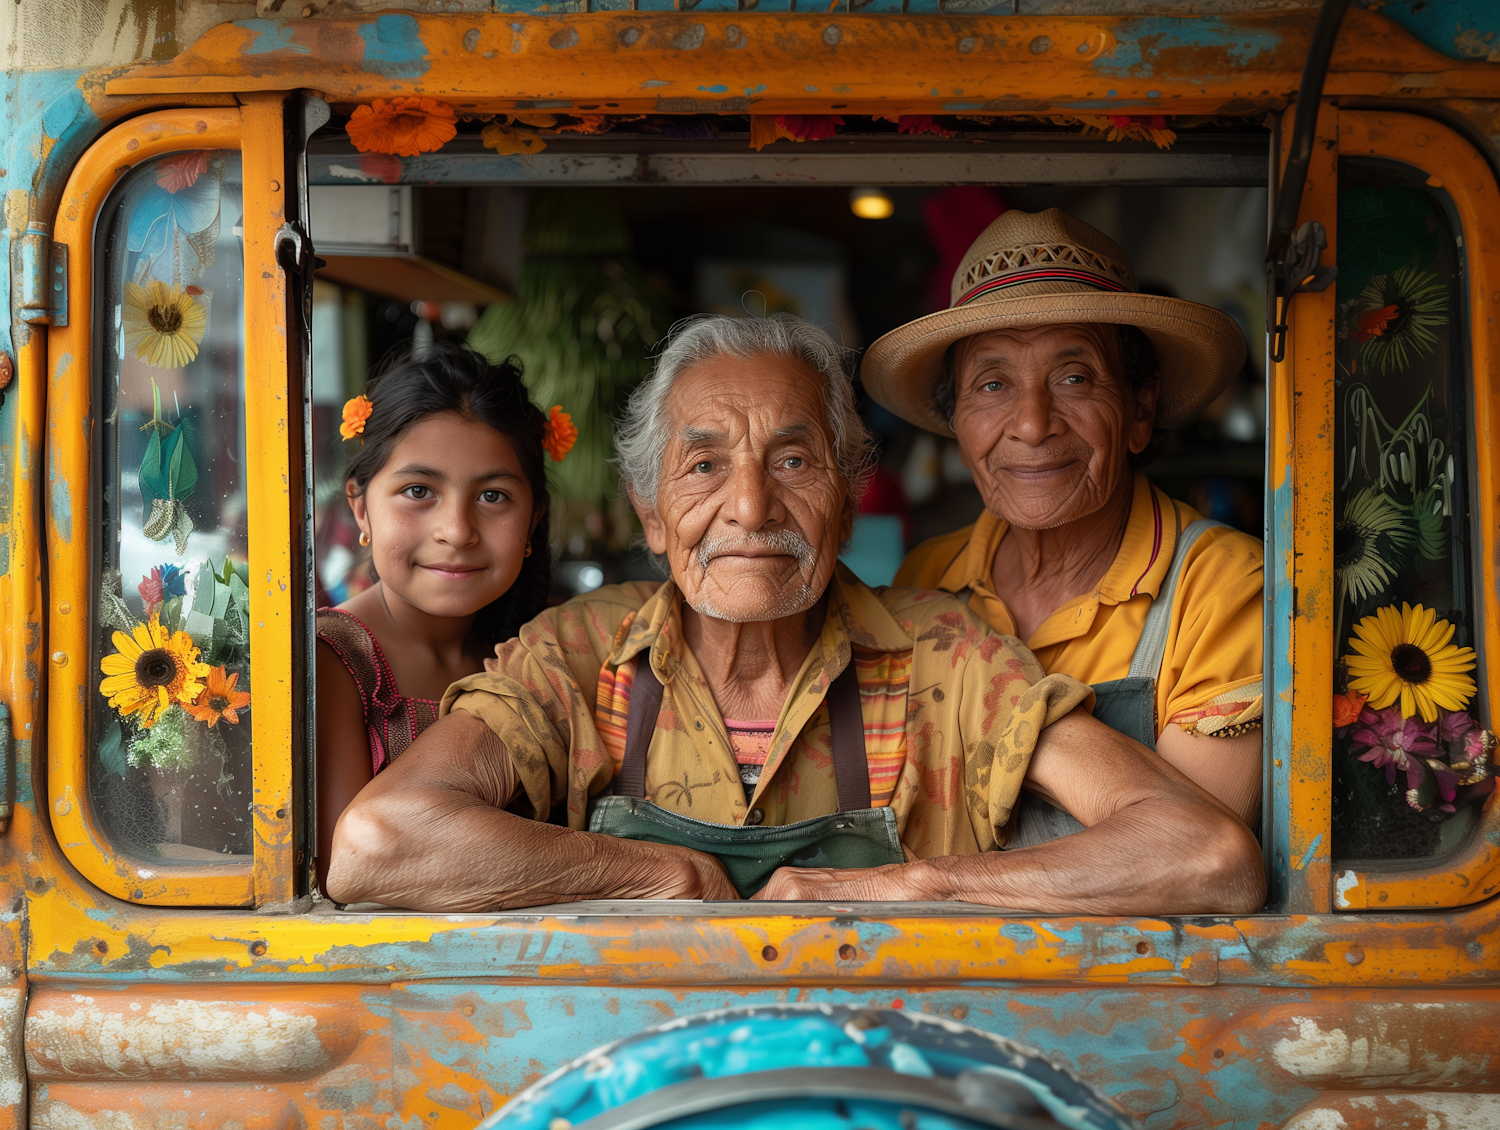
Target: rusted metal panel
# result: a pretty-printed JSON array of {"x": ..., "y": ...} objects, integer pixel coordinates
[
  {"x": 1308, "y": 748},
  {"x": 441, "y": 1056},
  {"x": 719, "y": 62}
]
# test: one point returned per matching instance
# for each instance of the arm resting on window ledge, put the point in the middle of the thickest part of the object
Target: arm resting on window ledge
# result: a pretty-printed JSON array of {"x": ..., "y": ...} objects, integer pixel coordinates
[
  {"x": 1154, "y": 843},
  {"x": 430, "y": 833}
]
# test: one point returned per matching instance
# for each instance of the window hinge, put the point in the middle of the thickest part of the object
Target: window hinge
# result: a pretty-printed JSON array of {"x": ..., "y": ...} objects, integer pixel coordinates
[{"x": 42, "y": 282}]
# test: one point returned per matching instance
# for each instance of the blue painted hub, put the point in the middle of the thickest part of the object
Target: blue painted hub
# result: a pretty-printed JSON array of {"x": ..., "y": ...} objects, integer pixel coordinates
[{"x": 810, "y": 1067}]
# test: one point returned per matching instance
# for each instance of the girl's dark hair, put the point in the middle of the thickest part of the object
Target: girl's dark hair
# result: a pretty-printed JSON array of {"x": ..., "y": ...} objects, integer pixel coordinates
[
  {"x": 452, "y": 378},
  {"x": 1137, "y": 361}
]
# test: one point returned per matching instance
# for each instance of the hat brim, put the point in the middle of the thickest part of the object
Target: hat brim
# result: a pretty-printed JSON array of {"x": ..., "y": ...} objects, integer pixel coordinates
[{"x": 1198, "y": 349}]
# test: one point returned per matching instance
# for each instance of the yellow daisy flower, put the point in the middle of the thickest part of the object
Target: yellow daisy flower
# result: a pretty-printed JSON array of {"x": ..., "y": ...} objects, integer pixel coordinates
[
  {"x": 1407, "y": 655},
  {"x": 163, "y": 324},
  {"x": 151, "y": 671}
]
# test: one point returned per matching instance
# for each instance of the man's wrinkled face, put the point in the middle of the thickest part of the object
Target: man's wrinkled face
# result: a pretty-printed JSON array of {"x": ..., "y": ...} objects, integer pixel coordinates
[
  {"x": 751, "y": 508},
  {"x": 1046, "y": 421}
]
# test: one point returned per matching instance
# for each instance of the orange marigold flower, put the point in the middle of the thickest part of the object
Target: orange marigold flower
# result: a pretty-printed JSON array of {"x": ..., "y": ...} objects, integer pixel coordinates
[
  {"x": 561, "y": 434},
  {"x": 176, "y": 173},
  {"x": 219, "y": 699},
  {"x": 403, "y": 126},
  {"x": 1373, "y": 323},
  {"x": 1346, "y": 708},
  {"x": 356, "y": 412}
]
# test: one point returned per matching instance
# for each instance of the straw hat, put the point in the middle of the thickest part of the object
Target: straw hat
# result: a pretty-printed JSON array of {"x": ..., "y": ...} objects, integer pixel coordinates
[{"x": 1047, "y": 268}]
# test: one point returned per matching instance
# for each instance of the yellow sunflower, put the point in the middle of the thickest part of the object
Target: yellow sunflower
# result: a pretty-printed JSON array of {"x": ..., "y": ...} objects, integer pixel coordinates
[
  {"x": 163, "y": 324},
  {"x": 1406, "y": 655},
  {"x": 151, "y": 671}
]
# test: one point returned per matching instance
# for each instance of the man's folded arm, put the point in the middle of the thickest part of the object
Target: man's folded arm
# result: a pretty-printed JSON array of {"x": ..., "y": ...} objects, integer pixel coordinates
[
  {"x": 1154, "y": 843},
  {"x": 430, "y": 833}
]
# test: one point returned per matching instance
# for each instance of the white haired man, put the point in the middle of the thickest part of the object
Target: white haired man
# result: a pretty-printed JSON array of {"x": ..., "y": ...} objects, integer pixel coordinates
[{"x": 763, "y": 724}]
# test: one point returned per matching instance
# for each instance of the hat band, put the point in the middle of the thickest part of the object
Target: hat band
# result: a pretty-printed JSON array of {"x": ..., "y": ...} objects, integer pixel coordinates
[{"x": 1041, "y": 274}]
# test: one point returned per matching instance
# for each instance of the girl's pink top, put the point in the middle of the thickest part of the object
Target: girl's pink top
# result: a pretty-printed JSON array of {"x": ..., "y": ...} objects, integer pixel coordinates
[{"x": 392, "y": 720}]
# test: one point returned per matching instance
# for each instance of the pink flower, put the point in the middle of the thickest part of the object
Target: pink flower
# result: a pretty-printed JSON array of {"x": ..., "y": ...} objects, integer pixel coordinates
[
  {"x": 809, "y": 127},
  {"x": 1454, "y": 724},
  {"x": 920, "y": 123},
  {"x": 1395, "y": 743},
  {"x": 150, "y": 590},
  {"x": 1478, "y": 744}
]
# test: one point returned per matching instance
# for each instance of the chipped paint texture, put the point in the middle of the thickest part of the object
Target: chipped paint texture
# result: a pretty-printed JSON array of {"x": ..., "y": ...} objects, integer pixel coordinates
[
  {"x": 1399, "y": 1112},
  {"x": 183, "y": 1039}
]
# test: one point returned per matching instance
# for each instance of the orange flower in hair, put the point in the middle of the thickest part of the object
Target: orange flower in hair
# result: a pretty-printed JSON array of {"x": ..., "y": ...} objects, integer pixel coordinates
[
  {"x": 356, "y": 412},
  {"x": 561, "y": 434},
  {"x": 403, "y": 126}
]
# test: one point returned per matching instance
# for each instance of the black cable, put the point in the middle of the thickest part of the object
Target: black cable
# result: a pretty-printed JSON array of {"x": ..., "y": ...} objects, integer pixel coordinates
[{"x": 1304, "y": 126}]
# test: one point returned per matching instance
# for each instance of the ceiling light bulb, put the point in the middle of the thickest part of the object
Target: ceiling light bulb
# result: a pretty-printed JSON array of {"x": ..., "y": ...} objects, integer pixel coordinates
[{"x": 871, "y": 204}]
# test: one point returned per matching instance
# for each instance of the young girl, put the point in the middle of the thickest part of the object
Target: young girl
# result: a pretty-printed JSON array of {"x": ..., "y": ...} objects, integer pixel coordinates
[{"x": 448, "y": 488}]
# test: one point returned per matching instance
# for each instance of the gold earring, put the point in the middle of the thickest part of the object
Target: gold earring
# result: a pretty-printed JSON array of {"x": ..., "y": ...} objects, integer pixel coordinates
[
  {"x": 528, "y": 550},
  {"x": 364, "y": 538}
]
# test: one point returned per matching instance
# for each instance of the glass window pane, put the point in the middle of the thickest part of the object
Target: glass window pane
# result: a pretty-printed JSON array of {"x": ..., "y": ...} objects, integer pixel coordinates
[
  {"x": 1401, "y": 525},
  {"x": 170, "y": 769}
]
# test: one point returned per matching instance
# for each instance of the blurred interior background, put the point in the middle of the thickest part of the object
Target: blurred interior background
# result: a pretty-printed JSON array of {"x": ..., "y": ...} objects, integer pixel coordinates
[{"x": 581, "y": 283}]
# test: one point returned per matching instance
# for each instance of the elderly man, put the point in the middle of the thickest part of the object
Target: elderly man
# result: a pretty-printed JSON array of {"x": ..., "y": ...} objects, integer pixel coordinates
[
  {"x": 763, "y": 723},
  {"x": 1052, "y": 371}
]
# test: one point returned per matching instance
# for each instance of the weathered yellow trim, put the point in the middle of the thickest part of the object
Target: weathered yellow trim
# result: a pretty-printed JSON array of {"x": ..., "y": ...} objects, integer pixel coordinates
[
  {"x": 270, "y": 414},
  {"x": 794, "y": 63},
  {"x": 71, "y": 437},
  {"x": 1454, "y": 166},
  {"x": 1305, "y": 432}
]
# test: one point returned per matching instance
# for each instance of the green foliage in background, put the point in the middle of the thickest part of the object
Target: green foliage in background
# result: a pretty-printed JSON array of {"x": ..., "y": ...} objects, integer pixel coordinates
[{"x": 582, "y": 323}]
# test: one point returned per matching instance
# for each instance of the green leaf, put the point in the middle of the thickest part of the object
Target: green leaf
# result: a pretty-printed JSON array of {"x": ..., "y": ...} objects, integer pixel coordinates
[
  {"x": 153, "y": 480},
  {"x": 112, "y": 749},
  {"x": 1382, "y": 230},
  {"x": 182, "y": 472},
  {"x": 203, "y": 591}
]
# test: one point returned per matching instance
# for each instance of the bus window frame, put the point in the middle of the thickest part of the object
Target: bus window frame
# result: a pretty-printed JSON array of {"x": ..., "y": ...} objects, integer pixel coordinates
[{"x": 255, "y": 130}]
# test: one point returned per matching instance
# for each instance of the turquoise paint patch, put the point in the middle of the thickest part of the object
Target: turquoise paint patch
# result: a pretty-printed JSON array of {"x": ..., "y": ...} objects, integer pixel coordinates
[
  {"x": 719, "y": 89},
  {"x": 1125, "y": 1042},
  {"x": 959, "y": 107},
  {"x": 755, "y": 89},
  {"x": 1312, "y": 850},
  {"x": 272, "y": 36},
  {"x": 394, "y": 48},
  {"x": 1140, "y": 43},
  {"x": 1460, "y": 29},
  {"x": 62, "y": 508}
]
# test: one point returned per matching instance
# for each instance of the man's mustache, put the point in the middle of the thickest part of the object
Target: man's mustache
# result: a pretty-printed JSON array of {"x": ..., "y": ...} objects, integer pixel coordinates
[{"x": 786, "y": 542}]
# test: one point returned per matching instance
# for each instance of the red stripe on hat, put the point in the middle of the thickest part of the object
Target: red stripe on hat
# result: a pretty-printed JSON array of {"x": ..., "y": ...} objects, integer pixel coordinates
[{"x": 1040, "y": 274}]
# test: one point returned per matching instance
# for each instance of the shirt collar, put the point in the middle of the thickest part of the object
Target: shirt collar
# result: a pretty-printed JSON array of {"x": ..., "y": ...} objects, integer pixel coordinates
[
  {"x": 857, "y": 617},
  {"x": 1140, "y": 566}
]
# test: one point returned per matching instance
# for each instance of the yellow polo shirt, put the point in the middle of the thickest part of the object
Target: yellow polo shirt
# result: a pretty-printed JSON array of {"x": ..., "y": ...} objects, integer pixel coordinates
[
  {"x": 952, "y": 712},
  {"x": 1210, "y": 679}
]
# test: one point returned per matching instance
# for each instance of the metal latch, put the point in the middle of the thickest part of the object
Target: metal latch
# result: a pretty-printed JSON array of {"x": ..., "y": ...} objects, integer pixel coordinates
[
  {"x": 42, "y": 279},
  {"x": 1297, "y": 273}
]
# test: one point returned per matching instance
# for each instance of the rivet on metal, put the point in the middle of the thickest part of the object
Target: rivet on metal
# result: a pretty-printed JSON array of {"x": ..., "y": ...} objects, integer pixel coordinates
[
  {"x": 60, "y": 658},
  {"x": 768, "y": 953}
]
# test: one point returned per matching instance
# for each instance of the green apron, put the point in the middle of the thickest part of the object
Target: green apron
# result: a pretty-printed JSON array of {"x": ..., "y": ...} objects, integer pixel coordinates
[
  {"x": 1127, "y": 705},
  {"x": 856, "y": 836}
]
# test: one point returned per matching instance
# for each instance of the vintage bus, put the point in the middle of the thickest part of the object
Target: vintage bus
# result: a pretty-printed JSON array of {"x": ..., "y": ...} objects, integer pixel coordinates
[{"x": 165, "y": 960}]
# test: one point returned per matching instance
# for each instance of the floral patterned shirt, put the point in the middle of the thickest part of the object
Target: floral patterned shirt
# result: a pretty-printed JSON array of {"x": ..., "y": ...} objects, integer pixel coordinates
[{"x": 952, "y": 711}]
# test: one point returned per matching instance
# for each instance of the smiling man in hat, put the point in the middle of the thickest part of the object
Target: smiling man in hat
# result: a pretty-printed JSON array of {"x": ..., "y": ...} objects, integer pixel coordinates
[{"x": 1053, "y": 371}]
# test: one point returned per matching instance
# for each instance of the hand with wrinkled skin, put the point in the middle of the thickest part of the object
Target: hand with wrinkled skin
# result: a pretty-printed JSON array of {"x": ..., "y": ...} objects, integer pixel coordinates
[
  {"x": 431, "y": 833},
  {"x": 1153, "y": 843}
]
